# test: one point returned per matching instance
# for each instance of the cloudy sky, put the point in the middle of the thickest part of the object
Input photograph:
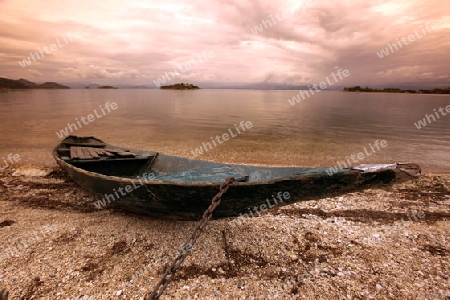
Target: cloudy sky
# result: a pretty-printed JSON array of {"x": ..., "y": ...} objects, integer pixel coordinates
[{"x": 296, "y": 42}]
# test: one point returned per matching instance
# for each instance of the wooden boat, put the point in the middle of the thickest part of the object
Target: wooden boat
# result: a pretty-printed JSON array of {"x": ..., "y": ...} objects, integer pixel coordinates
[{"x": 168, "y": 186}]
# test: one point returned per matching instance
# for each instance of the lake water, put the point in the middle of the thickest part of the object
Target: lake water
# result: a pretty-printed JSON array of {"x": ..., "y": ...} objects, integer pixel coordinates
[{"x": 321, "y": 130}]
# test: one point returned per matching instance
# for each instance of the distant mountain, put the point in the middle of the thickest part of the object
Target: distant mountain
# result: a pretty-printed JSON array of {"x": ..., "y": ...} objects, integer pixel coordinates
[
  {"x": 257, "y": 86},
  {"x": 6, "y": 83},
  {"x": 270, "y": 86},
  {"x": 28, "y": 83},
  {"x": 89, "y": 85},
  {"x": 247, "y": 86},
  {"x": 206, "y": 85},
  {"x": 136, "y": 87},
  {"x": 52, "y": 85}
]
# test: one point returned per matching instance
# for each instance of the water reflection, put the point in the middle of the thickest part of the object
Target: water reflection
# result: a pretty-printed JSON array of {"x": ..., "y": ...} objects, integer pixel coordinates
[{"x": 319, "y": 131}]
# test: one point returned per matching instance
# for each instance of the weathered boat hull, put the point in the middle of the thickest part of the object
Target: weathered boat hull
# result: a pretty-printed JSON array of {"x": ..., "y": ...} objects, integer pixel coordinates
[{"x": 166, "y": 186}]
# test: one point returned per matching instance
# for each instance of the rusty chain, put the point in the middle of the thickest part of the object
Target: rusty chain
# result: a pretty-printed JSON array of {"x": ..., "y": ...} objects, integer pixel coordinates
[{"x": 169, "y": 274}]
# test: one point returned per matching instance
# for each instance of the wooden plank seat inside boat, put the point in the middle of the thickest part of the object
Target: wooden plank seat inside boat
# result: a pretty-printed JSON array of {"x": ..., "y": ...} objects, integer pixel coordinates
[
  {"x": 81, "y": 152},
  {"x": 203, "y": 175}
]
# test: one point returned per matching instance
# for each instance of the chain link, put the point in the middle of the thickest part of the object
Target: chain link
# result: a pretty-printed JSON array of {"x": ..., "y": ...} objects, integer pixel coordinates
[{"x": 169, "y": 274}]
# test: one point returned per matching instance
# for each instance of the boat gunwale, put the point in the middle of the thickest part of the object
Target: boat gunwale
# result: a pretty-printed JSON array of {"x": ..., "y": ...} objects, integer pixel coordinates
[{"x": 206, "y": 183}]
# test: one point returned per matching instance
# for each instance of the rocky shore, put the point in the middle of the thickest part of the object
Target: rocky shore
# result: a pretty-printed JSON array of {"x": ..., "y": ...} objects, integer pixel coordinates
[{"x": 390, "y": 242}]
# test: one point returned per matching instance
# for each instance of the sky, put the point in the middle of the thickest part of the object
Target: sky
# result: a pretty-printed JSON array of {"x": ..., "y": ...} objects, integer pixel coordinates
[{"x": 227, "y": 42}]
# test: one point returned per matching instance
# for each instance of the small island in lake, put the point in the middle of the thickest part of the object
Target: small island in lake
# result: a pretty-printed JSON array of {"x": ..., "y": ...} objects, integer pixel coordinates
[
  {"x": 396, "y": 90},
  {"x": 180, "y": 86},
  {"x": 107, "y": 87}
]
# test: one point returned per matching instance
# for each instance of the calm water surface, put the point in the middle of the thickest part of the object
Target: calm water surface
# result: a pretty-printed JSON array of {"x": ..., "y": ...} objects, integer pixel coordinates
[{"x": 319, "y": 131}]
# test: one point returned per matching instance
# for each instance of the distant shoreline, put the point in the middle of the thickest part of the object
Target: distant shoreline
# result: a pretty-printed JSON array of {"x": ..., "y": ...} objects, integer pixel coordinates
[
  {"x": 396, "y": 90},
  {"x": 6, "y": 84}
]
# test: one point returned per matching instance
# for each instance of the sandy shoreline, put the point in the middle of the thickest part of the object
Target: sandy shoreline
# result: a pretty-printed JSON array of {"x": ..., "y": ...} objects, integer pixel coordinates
[{"x": 57, "y": 245}]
